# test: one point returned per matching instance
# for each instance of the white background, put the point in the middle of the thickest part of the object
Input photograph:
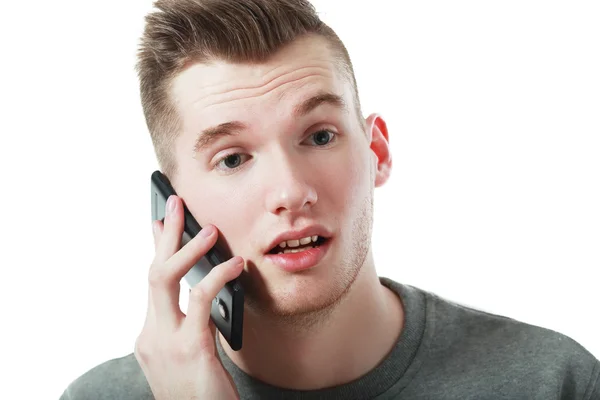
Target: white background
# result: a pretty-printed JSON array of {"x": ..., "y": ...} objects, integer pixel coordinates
[{"x": 493, "y": 113}]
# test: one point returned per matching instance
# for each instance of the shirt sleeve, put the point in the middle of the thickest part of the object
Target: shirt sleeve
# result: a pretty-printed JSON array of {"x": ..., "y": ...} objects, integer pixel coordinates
[{"x": 593, "y": 390}]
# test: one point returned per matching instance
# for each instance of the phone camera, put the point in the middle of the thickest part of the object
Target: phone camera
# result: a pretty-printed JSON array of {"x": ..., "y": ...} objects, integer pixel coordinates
[{"x": 222, "y": 308}]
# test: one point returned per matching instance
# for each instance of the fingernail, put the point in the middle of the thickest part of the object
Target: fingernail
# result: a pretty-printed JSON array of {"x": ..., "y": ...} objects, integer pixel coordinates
[
  {"x": 238, "y": 261},
  {"x": 170, "y": 205},
  {"x": 207, "y": 231}
]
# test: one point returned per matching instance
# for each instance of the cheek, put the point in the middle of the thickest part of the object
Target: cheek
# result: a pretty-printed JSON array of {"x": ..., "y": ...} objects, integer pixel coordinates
[
  {"x": 348, "y": 179},
  {"x": 233, "y": 212}
]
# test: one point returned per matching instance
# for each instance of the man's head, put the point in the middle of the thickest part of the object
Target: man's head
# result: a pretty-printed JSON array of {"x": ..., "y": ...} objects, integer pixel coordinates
[
  {"x": 254, "y": 114},
  {"x": 184, "y": 32}
]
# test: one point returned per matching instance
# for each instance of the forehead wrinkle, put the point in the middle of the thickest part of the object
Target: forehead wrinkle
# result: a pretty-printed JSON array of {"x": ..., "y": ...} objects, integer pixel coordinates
[
  {"x": 273, "y": 84},
  {"x": 317, "y": 63},
  {"x": 270, "y": 81}
]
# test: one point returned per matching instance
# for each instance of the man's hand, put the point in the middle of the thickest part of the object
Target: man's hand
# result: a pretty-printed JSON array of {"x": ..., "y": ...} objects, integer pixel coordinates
[{"x": 177, "y": 352}]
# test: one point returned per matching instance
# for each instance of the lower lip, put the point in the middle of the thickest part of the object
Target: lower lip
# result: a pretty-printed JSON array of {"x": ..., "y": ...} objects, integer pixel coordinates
[{"x": 293, "y": 262}]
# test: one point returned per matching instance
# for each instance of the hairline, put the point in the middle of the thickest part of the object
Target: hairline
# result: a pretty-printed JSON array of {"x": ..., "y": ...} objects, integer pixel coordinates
[{"x": 167, "y": 126}]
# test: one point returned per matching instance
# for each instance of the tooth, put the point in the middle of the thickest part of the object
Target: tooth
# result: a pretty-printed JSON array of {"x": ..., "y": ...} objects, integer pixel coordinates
[
  {"x": 293, "y": 243},
  {"x": 282, "y": 244},
  {"x": 314, "y": 238},
  {"x": 286, "y": 251},
  {"x": 305, "y": 240}
]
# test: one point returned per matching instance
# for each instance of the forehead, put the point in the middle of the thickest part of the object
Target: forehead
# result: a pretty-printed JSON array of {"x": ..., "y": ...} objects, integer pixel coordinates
[{"x": 209, "y": 90}]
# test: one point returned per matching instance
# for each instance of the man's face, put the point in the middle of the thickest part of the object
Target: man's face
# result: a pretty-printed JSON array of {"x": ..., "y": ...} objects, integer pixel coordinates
[{"x": 285, "y": 169}]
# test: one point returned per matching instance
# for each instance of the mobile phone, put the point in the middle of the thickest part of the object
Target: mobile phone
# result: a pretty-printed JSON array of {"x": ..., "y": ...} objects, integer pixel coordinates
[{"x": 227, "y": 309}]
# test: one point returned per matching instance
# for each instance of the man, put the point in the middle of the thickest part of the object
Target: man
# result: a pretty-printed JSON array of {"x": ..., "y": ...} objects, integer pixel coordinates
[{"x": 255, "y": 117}]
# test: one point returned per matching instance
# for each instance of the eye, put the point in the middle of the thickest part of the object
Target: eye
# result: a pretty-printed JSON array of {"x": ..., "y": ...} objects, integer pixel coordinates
[
  {"x": 230, "y": 162},
  {"x": 323, "y": 137}
]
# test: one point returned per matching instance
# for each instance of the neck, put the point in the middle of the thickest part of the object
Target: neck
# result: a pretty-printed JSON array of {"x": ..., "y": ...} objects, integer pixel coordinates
[{"x": 357, "y": 336}]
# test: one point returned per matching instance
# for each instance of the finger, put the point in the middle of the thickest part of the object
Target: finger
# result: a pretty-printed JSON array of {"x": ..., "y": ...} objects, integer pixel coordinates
[
  {"x": 203, "y": 293},
  {"x": 170, "y": 238},
  {"x": 163, "y": 289},
  {"x": 164, "y": 278},
  {"x": 157, "y": 227},
  {"x": 163, "y": 300},
  {"x": 182, "y": 261},
  {"x": 214, "y": 332}
]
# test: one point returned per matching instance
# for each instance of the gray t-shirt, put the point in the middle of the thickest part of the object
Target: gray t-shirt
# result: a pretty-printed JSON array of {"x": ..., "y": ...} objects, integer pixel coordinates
[{"x": 446, "y": 351}]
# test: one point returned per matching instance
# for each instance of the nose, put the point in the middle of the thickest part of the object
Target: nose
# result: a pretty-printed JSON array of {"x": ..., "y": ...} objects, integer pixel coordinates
[{"x": 289, "y": 190}]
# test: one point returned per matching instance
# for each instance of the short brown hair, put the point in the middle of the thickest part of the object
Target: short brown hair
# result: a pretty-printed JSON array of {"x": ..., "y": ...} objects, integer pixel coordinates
[{"x": 240, "y": 31}]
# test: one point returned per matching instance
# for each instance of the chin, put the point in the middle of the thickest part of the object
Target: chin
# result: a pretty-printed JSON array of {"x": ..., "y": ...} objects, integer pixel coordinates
[{"x": 311, "y": 294}]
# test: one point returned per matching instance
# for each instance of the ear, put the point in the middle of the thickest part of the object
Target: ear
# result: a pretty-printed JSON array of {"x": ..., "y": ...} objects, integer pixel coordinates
[{"x": 378, "y": 133}]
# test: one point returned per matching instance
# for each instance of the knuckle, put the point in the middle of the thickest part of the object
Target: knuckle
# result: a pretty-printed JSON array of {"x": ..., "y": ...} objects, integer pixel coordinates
[
  {"x": 204, "y": 344},
  {"x": 182, "y": 354},
  {"x": 157, "y": 277},
  {"x": 199, "y": 295},
  {"x": 192, "y": 349},
  {"x": 142, "y": 349}
]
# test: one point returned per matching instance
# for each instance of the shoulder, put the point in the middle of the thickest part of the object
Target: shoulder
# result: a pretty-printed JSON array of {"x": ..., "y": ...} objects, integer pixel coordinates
[
  {"x": 512, "y": 348},
  {"x": 118, "y": 378},
  {"x": 509, "y": 335}
]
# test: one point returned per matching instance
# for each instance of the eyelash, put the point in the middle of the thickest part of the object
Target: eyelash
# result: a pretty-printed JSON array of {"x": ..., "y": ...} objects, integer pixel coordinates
[{"x": 229, "y": 170}]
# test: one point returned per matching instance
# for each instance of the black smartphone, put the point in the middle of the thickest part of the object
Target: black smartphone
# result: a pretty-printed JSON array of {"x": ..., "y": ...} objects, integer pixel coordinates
[{"x": 227, "y": 311}]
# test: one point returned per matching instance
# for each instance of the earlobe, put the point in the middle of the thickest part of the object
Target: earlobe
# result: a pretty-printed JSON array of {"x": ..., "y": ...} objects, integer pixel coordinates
[{"x": 377, "y": 130}]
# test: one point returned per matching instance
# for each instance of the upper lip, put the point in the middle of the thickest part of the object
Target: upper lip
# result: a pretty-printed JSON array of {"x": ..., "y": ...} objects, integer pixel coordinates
[{"x": 310, "y": 230}]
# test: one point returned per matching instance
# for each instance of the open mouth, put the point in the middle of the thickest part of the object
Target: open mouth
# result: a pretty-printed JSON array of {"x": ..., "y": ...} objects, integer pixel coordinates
[{"x": 296, "y": 246}]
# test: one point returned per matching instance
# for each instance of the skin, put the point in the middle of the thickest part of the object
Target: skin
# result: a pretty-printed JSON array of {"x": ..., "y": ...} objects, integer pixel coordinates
[{"x": 294, "y": 323}]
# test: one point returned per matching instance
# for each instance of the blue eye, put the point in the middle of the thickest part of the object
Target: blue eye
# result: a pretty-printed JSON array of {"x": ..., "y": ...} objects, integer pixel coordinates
[
  {"x": 230, "y": 162},
  {"x": 232, "y": 159},
  {"x": 323, "y": 137}
]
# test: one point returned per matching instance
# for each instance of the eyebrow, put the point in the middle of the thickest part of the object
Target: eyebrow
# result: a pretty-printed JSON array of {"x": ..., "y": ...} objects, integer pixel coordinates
[{"x": 210, "y": 135}]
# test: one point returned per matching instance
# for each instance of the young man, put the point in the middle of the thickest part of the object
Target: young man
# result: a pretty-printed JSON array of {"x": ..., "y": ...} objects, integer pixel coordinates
[{"x": 255, "y": 117}]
